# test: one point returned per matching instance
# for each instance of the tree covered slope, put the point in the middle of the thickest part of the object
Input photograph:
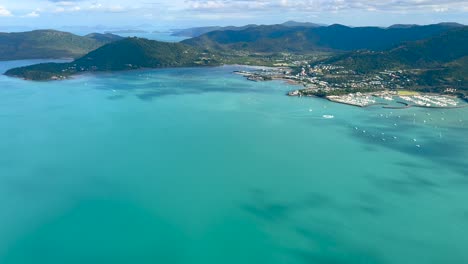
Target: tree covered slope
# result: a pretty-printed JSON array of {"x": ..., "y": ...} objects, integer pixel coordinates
[
  {"x": 49, "y": 44},
  {"x": 130, "y": 53},
  {"x": 279, "y": 38}
]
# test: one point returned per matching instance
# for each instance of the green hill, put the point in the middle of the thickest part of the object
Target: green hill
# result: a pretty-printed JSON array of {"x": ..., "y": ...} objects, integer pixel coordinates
[
  {"x": 127, "y": 54},
  {"x": 440, "y": 60},
  {"x": 279, "y": 38},
  {"x": 49, "y": 44},
  {"x": 429, "y": 53},
  {"x": 198, "y": 31},
  {"x": 104, "y": 38}
]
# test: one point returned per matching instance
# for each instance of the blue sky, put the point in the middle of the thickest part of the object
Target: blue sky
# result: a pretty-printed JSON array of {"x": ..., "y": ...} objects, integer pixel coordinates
[{"x": 187, "y": 13}]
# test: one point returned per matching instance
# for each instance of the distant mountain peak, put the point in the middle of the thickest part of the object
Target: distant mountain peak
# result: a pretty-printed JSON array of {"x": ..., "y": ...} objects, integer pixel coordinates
[
  {"x": 292, "y": 23},
  {"x": 403, "y": 26},
  {"x": 445, "y": 24},
  {"x": 49, "y": 43},
  {"x": 338, "y": 26},
  {"x": 451, "y": 24},
  {"x": 279, "y": 38}
]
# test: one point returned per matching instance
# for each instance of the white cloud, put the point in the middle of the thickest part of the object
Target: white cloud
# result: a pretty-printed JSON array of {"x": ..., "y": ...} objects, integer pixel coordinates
[
  {"x": 186, "y": 12},
  {"x": 65, "y": 3},
  {"x": 34, "y": 13},
  {"x": 68, "y": 6},
  {"x": 5, "y": 12},
  {"x": 239, "y": 6},
  {"x": 116, "y": 8},
  {"x": 112, "y": 8},
  {"x": 207, "y": 5},
  {"x": 326, "y": 5}
]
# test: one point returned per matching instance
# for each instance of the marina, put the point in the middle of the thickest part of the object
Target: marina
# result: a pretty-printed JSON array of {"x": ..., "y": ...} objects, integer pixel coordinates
[
  {"x": 431, "y": 101},
  {"x": 354, "y": 99},
  {"x": 391, "y": 99}
]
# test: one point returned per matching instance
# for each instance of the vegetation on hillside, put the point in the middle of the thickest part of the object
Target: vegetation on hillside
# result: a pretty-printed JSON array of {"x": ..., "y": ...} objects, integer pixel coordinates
[
  {"x": 279, "y": 38},
  {"x": 49, "y": 44},
  {"x": 130, "y": 53},
  {"x": 198, "y": 31},
  {"x": 433, "y": 63},
  {"x": 439, "y": 61}
]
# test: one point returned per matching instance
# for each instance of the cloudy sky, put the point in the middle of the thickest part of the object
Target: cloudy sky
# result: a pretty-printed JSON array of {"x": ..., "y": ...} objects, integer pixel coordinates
[{"x": 184, "y": 13}]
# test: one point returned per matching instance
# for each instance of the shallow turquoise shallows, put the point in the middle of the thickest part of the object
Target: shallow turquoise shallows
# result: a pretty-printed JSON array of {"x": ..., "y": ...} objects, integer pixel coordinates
[{"x": 202, "y": 166}]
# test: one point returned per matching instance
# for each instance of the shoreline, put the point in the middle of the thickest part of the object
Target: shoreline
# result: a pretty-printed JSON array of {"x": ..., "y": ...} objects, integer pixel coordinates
[
  {"x": 362, "y": 95},
  {"x": 253, "y": 76}
]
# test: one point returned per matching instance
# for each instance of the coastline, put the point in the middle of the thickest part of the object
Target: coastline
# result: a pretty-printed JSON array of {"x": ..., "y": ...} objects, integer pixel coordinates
[
  {"x": 278, "y": 74},
  {"x": 364, "y": 97}
]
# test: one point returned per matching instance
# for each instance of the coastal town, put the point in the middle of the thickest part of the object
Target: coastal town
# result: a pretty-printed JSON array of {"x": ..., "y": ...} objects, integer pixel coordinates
[{"x": 388, "y": 88}]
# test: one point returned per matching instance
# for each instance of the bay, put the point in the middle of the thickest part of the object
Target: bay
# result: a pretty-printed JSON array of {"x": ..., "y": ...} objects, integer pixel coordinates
[{"x": 198, "y": 165}]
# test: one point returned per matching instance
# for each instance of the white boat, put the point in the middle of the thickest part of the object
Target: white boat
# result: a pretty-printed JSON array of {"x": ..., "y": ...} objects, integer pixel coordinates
[{"x": 328, "y": 116}]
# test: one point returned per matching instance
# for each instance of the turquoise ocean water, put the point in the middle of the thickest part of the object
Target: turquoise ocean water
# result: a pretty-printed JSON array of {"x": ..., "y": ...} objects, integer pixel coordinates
[{"x": 202, "y": 166}]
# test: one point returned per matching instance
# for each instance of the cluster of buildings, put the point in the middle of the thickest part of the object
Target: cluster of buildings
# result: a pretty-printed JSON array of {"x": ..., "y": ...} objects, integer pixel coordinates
[
  {"x": 331, "y": 77},
  {"x": 346, "y": 86}
]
